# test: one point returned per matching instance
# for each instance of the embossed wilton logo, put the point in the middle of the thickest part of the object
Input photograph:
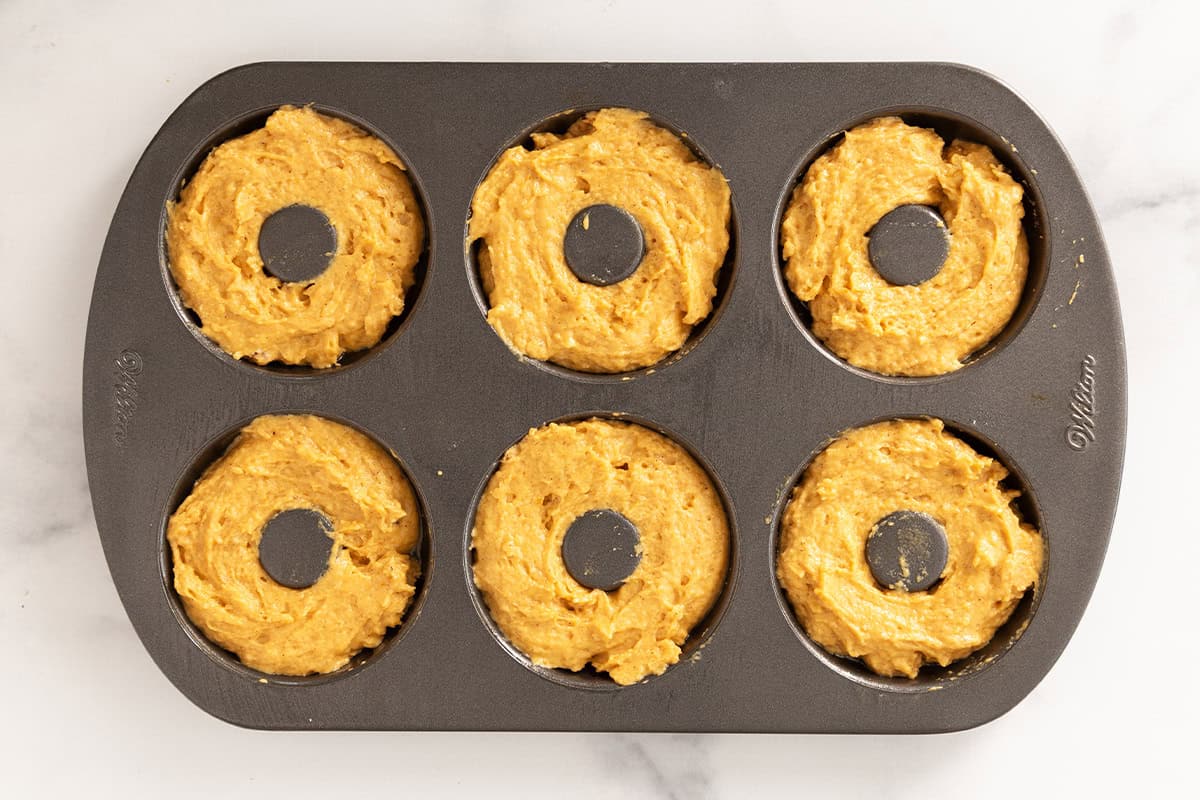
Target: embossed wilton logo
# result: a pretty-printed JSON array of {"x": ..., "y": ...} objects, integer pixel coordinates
[
  {"x": 127, "y": 366},
  {"x": 1082, "y": 430}
]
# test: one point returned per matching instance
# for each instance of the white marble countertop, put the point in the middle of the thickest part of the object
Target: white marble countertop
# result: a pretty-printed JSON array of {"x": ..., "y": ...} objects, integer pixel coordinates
[{"x": 83, "y": 86}]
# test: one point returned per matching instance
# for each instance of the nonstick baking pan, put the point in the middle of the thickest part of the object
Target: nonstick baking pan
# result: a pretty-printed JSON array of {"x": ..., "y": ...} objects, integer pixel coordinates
[{"x": 753, "y": 395}]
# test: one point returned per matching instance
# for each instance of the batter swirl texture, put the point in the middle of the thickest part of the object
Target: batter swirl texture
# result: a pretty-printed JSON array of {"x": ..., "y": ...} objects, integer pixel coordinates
[
  {"x": 278, "y": 463},
  {"x": 521, "y": 211},
  {"x": 561, "y": 471},
  {"x": 300, "y": 157},
  {"x": 866, "y": 474},
  {"x": 929, "y": 328}
]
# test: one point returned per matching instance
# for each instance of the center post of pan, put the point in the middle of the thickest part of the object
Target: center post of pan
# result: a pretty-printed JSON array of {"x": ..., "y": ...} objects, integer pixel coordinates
[
  {"x": 909, "y": 245},
  {"x": 907, "y": 550},
  {"x": 601, "y": 549},
  {"x": 294, "y": 547},
  {"x": 296, "y": 244},
  {"x": 603, "y": 245}
]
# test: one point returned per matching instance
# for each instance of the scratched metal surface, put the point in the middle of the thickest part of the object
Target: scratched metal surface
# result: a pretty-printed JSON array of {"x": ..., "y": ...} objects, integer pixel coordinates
[{"x": 753, "y": 395}]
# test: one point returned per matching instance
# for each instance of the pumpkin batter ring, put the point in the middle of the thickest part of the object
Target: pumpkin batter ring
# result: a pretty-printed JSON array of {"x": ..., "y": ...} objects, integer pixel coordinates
[
  {"x": 279, "y": 463},
  {"x": 858, "y": 480},
  {"x": 917, "y": 330},
  {"x": 549, "y": 479},
  {"x": 521, "y": 212},
  {"x": 300, "y": 157}
]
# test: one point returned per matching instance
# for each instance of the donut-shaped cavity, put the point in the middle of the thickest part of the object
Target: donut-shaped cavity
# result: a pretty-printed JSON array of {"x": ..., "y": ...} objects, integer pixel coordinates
[
  {"x": 522, "y": 211},
  {"x": 278, "y": 464},
  {"x": 931, "y": 327},
  {"x": 858, "y": 483},
  {"x": 550, "y": 479},
  {"x": 299, "y": 158}
]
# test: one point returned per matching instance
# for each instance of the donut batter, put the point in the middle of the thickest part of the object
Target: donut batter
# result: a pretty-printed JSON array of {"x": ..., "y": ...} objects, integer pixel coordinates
[
  {"x": 929, "y": 328},
  {"x": 300, "y": 157},
  {"x": 520, "y": 213},
  {"x": 279, "y": 463},
  {"x": 994, "y": 557},
  {"x": 555, "y": 474}
]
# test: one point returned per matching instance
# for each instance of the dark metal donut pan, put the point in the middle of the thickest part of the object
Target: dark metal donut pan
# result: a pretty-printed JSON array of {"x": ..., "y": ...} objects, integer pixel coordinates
[{"x": 754, "y": 395}]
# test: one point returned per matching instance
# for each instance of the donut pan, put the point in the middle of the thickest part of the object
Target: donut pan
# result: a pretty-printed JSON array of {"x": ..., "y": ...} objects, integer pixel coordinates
[{"x": 754, "y": 395}]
